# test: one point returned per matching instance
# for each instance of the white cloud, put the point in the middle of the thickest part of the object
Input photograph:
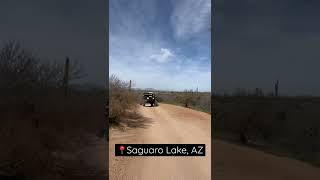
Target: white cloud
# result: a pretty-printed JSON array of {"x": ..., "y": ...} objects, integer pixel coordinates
[
  {"x": 188, "y": 76},
  {"x": 152, "y": 61},
  {"x": 130, "y": 59},
  {"x": 163, "y": 56},
  {"x": 191, "y": 17}
]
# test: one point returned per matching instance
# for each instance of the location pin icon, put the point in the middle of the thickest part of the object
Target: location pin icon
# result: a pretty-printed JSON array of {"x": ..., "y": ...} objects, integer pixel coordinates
[{"x": 121, "y": 149}]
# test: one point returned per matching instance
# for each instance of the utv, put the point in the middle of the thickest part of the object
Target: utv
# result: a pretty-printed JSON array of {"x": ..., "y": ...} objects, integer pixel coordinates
[{"x": 149, "y": 98}]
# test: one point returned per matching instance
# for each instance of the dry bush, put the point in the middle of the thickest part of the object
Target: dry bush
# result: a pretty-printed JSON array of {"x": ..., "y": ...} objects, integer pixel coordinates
[
  {"x": 196, "y": 100},
  {"x": 36, "y": 120},
  {"x": 123, "y": 101},
  {"x": 22, "y": 72},
  {"x": 286, "y": 123},
  {"x": 187, "y": 98}
]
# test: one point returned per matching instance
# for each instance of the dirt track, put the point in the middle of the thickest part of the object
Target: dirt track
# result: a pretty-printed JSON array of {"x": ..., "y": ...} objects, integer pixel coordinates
[
  {"x": 233, "y": 162},
  {"x": 170, "y": 125}
]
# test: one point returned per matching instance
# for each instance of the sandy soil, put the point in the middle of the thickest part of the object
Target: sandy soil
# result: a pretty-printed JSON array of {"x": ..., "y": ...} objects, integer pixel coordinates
[
  {"x": 237, "y": 162},
  {"x": 173, "y": 124},
  {"x": 170, "y": 125}
]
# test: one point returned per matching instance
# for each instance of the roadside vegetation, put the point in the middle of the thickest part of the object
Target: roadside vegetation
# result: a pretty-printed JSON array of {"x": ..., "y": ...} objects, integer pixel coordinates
[
  {"x": 200, "y": 101},
  {"x": 123, "y": 104},
  {"x": 42, "y": 128},
  {"x": 124, "y": 100},
  {"x": 286, "y": 126}
]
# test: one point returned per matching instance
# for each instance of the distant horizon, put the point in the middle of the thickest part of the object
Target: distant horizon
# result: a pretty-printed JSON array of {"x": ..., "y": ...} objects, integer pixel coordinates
[
  {"x": 229, "y": 93},
  {"x": 168, "y": 90}
]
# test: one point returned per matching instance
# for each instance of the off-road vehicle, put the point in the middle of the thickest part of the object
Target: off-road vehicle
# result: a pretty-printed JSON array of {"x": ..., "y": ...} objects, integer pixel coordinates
[{"x": 149, "y": 98}]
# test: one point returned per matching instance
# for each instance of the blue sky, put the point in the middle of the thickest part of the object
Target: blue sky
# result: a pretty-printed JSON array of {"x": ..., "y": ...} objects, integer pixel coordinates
[{"x": 161, "y": 44}]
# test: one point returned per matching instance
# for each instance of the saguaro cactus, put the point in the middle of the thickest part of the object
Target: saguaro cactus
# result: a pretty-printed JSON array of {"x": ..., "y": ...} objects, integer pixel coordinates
[
  {"x": 276, "y": 88},
  {"x": 66, "y": 77}
]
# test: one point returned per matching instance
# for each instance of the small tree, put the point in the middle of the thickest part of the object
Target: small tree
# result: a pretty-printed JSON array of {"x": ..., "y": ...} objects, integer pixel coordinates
[
  {"x": 187, "y": 98},
  {"x": 21, "y": 70}
]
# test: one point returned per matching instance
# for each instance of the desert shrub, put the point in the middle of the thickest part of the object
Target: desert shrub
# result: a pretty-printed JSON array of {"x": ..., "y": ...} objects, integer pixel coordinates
[
  {"x": 160, "y": 98},
  {"x": 196, "y": 100},
  {"x": 22, "y": 72},
  {"x": 187, "y": 98},
  {"x": 36, "y": 119},
  {"x": 122, "y": 99},
  {"x": 276, "y": 122}
]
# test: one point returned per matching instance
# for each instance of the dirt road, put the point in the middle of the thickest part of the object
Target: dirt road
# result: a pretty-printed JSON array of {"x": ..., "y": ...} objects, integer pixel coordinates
[
  {"x": 233, "y": 162},
  {"x": 173, "y": 124},
  {"x": 170, "y": 125}
]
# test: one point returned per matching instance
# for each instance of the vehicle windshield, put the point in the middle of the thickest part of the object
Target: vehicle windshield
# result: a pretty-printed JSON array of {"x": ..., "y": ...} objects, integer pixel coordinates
[{"x": 148, "y": 95}]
